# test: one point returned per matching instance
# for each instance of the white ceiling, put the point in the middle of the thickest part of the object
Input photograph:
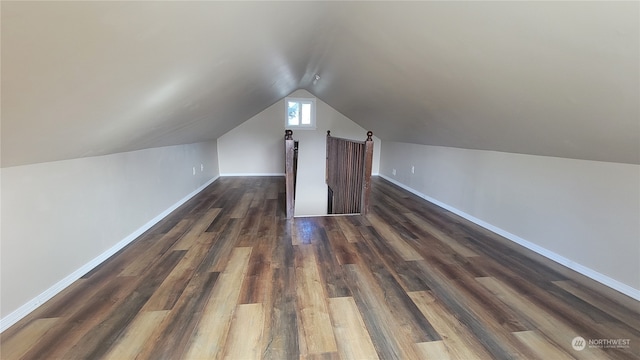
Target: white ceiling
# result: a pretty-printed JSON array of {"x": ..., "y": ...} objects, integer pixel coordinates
[{"x": 545, "y": 78}]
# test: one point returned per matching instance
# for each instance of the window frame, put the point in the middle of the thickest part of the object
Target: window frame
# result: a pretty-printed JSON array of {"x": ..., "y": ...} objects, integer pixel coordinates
[{"x": 312, "y": 101}]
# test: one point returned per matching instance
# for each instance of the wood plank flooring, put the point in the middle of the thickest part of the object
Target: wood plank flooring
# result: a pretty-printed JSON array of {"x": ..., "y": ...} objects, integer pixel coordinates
[{"x": 227, "y": 276}]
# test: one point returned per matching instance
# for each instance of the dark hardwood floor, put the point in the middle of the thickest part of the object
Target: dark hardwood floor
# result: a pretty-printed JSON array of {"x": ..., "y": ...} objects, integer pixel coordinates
[{"x": 227, "y": 276}]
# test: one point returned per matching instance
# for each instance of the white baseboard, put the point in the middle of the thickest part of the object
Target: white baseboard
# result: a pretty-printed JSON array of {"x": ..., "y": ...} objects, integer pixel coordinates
[
  {"x": 32, "y": 304},
  {"x": 590, "y": 273},
  {"x": 252, "y": 174}
]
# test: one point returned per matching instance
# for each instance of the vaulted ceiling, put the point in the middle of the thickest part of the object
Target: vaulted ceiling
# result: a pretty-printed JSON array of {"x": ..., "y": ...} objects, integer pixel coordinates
[{"x": 545, "y": 78}]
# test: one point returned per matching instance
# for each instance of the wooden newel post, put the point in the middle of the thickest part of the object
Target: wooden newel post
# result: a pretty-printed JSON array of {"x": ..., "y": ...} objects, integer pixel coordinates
[
  {"x": 368, "y": 162},
  {"x": 328, "y": 150},
  {"x": 289, "y": 172}
]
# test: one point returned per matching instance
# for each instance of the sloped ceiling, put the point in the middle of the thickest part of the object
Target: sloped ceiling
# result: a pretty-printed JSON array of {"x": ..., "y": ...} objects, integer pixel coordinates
[{"x": 545, "y": 78}]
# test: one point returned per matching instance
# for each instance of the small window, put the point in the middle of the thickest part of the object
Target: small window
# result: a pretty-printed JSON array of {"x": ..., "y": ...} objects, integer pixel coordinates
[{"x": 301, "y": 113}]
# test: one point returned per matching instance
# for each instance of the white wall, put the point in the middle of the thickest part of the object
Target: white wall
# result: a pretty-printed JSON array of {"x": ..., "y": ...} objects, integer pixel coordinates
[
  {"x": 256, "y": 147},
  {"x": 58, "y": 217},
  {"x": 586, "y": 214}
]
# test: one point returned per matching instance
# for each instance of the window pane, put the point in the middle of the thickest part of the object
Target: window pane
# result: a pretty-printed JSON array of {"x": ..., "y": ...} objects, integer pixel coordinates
[
  {"x": 306, "y": 114},
  {"x": 293, "y": 109}
]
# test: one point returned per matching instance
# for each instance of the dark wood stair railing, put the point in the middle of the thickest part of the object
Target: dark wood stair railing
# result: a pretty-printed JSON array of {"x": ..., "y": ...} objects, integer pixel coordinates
[
  {"x": 348, "y": 175},
  {"x": 291, "y": 171}
]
